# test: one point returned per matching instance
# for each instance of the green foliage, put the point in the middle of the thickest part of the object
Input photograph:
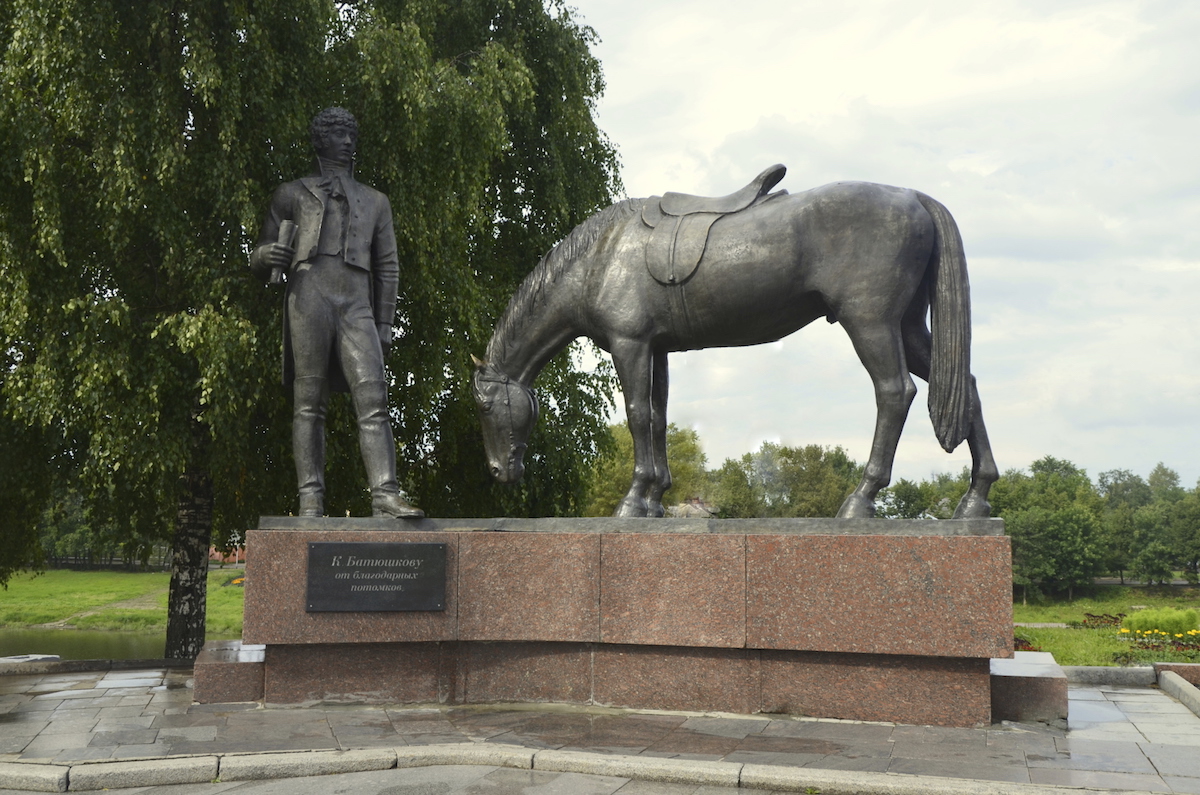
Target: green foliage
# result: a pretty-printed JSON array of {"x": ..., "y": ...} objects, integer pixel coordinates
[
  {"x": 143, "y": 141},
  {"x": 733, "y": 495},
  {"x": 810, "y": 481},
  {"x": 1052, "y": 515},
  {"x": 1167, "y": 619},
  {"x": 614, "y": 469},
  {"x": 936, "y": 498}
]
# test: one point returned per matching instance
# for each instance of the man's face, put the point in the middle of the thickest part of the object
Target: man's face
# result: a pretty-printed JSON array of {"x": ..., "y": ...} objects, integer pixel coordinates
[{"x": 338, "y": 145}]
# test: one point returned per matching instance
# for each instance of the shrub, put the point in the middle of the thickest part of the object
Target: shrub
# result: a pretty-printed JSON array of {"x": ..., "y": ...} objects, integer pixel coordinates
[{"x": 1167, "y": 619}]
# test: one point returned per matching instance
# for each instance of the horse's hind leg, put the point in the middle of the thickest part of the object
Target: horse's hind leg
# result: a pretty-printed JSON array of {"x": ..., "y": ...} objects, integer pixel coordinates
[
  {"x": 881, "y": 350},
  {"x": 917, "y": 347}
]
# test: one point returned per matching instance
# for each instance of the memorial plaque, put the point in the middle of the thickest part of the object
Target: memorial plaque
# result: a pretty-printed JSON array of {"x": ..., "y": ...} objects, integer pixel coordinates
[{"x": 358, "y": 577}]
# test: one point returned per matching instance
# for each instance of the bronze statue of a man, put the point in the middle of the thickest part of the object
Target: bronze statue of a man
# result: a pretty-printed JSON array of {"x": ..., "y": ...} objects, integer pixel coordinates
[{"x": 342, "y": 278}]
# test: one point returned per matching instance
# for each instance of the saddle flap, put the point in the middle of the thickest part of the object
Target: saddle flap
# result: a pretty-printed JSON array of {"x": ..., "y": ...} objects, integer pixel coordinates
[
  {"x": 675, "y": 247},
  {"x": 651, "y": 212},
  {"x": 685, "y": 204}
]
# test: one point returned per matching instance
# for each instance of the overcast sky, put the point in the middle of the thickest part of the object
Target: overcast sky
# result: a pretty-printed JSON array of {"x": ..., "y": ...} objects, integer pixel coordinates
[{"x": 1063, "y": 136}]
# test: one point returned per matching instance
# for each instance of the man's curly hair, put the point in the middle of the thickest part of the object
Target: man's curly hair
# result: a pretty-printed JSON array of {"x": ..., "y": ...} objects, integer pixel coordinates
[{"x": 329, "y": 119}]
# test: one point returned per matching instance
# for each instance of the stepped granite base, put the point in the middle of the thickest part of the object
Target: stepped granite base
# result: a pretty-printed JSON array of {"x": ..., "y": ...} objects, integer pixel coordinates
[{"x": 874, "y": 619}]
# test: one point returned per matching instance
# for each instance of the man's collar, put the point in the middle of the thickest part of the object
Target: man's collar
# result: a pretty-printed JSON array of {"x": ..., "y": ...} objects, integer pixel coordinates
[{"x": 328, "y": 168}]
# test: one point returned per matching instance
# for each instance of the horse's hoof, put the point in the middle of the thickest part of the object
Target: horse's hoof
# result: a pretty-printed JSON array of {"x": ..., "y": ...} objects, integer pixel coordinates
[
  {"x": 855, "y": 507},
  {"x": 631, "y": 509},
  {"x": 972, "y": 507},
  {"x": 655, "y": 510}
]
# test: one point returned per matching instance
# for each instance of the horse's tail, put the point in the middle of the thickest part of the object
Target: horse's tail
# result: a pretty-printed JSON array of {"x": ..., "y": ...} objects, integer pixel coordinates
[{"x": 950, "y": 322}]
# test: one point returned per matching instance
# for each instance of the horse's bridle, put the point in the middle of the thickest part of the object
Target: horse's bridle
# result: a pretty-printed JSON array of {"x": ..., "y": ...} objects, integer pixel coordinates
[{"x": 502, "y": 378}]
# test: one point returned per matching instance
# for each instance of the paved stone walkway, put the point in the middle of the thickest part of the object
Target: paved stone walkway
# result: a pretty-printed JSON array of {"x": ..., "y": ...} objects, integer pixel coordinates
[{"x": 1119, "y": 738}]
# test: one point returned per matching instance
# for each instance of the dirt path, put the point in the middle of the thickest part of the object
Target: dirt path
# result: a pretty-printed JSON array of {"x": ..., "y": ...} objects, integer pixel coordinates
[{"x": 146, "y": 602}]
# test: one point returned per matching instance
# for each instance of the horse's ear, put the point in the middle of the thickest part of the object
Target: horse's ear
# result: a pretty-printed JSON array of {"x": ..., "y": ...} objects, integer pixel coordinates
[{"x": 479, "y": 363}]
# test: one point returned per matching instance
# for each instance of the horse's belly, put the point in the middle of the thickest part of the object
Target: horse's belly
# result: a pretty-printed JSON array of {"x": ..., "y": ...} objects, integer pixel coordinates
[{"x": 735, "y": 318}]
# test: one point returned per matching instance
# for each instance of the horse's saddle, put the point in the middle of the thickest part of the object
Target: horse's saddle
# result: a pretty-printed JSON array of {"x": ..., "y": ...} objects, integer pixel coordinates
[{"x": 680, "y": 224}]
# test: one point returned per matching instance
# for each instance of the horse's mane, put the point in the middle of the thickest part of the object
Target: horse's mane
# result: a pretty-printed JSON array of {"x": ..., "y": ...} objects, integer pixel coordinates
[{"x": 550, "y": 267}]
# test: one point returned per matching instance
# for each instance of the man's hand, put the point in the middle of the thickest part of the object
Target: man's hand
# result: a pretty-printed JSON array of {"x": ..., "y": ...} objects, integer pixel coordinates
[
  {"x": 385, "y": 336},
  {"x": 277, "y": 255},
  {"x": 271, "y": 258}
]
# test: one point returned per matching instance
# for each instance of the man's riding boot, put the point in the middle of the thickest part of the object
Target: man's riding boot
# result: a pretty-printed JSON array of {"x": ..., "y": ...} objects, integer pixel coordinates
[
  {"x": 379, "y": 451},
  {"x": 310, "y": 395}
]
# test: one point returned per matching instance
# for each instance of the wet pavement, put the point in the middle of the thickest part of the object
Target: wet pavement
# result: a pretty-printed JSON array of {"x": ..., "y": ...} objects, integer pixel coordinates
[{"x": 1118, "y": 737}]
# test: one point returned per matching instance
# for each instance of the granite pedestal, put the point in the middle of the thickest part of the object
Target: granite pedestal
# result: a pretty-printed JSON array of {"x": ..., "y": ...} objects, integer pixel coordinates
[{"x": 874, "y": 619}]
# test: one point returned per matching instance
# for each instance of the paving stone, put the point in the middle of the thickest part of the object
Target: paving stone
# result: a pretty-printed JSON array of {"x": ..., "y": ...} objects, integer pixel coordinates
[
  {"x": 852, "y": 732},
  {"x": 1100, "y": 779},
  {"x": 959, "y": 769},
  {"x": 1093, "y": 755},
  {"x": 1173, "y": 738},
  {"x": 1190, "y": 786},
  {"x": 187, "y": 733},
  {"x": 1084, "y": 694},
  {"x": 23, "y": 727},
  {"x": 967, "y": 753},
  {"x": 1174, "y": 760},
  {"x": 1030, "y": 742},
  {"x": 141, "y": 751},
  {"x": 57, "y": 742},
  {"x": 725, "y": 727},
  {"x": 90, "y": 703},
  {"x": 128, "y": 722},
  {"x": 71, "y": 755},
  {"x": 70, "y": 726},
  {"x": 125, "y": 684},
  {"x": 128, "y": 737},
  {"x": 76, "y": 712},
  {"x": 772, "y": 758},
  {"x": 122, "y": 712},
  {"x": 853, "y": 764},
  {"x": 187, "y": 720},
  {"x": 15, "y": 744}
]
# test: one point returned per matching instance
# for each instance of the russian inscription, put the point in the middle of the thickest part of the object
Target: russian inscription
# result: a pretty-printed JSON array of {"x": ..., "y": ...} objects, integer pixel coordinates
[{"x": 375, "y": 577}]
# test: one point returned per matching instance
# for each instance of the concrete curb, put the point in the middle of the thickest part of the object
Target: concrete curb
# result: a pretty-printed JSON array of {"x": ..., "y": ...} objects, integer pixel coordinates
[
  {"x": 1116, "y": 677},
  {"x": 670, "y": 771},
  {"x": 836, "y": 782},
  {"x": 147, "y": 773},
  {"x": 293, "y": 764},
  {"x": 1180, "y": 689},
  {"x": 38, "y": 778},
  {"x": 40, "y": 667},
  {"x": 465, "y": 754}
]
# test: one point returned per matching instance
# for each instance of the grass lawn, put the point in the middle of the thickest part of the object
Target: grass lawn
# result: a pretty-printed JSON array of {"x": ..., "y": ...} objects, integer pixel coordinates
[
  {"x": 1111, "y": 599},
  {"x": 1078, "y": 646},
  {"x": 102, "y": 600}
]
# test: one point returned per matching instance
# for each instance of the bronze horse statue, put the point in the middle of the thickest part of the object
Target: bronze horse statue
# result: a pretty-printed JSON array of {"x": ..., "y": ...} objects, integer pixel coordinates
[{"x": 645, "y": 277}]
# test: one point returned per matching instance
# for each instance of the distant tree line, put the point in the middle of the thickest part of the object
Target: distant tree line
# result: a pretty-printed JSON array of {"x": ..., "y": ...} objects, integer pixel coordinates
[{"x": 1065, "y": 529}]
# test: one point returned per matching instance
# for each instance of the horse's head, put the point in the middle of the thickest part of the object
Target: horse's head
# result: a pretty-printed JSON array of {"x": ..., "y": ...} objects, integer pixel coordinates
[{"x": 507, "y": 410}]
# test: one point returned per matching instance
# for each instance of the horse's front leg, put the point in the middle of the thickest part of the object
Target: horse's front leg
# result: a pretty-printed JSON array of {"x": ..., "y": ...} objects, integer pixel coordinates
[
  {"x": 880, "y": 348},
  {"x": 658, "y": 434},
  {"x": 632, "y": 361}
]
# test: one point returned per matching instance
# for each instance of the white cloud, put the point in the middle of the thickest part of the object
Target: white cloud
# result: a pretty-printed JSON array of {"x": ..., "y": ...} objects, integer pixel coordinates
[{"x": 1062, "y": 137}]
